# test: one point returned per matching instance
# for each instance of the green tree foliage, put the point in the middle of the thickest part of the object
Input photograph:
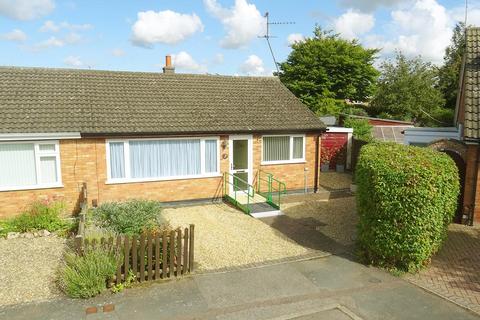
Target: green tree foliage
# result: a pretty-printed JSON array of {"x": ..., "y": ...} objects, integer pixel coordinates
[
  {"x": 362, "y": 130},
  {"x": 449, "y": 73},
  {"x": 406, "y": 198},
  {"x": 407, "y": 90},
  {"x": 324, "y": 70}
]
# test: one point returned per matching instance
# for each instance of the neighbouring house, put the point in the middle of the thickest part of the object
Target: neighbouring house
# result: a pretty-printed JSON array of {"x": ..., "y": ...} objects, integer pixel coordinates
[
  {"x": 462, "y": 140},
  {"x": 161, "y": 136},
  {"x": 387, "y": 130}
]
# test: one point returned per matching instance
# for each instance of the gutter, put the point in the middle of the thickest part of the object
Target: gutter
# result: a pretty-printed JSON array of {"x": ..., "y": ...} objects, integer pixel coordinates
[
  {"x": 39, "y": 136},
  {"x": 190, "y": 133}
]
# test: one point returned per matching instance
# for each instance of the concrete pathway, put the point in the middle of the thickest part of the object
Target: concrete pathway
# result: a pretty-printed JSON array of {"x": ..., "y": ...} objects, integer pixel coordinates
[{"x": 325, "y": 288}]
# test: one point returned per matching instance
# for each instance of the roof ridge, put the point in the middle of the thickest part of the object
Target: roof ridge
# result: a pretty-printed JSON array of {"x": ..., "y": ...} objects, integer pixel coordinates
[{"x": 24, "y": 68}]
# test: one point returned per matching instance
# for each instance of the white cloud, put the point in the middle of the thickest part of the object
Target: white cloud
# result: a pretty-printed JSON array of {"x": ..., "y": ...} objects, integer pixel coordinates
[
  {"x": 73, "y": 61},
  {"x": 370, "y": 5},
  {"x": 73, "y": 38},
  {"x": 253, "y": 66},
  {"x": 26, "y": 9},
  {"x": 164, "y": 27},
  {"x": 423, "y": 29},
  {"x": 52, "y": 42},
  {"x": 51, "y": 26},
  {"x": 242, "y": 22},
  {"x": 295, "y": 37},
  {"x": 218, "y": 59},
  {"x": 117, "y": 52},
  {"x": 16, "y": 35},
  {"x": 184, "y": 61},
  {"x": 351, "y": 24}
]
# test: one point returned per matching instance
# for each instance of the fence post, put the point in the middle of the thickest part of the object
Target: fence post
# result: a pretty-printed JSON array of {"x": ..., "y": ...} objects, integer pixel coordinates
[
  {"x": 185, "y": 251},
  {"x": 190, "y": 258},
  {"x": 164, "y": 254},
  {"x": 171, "y": 271},
  {"x": 79, "y": 244}
]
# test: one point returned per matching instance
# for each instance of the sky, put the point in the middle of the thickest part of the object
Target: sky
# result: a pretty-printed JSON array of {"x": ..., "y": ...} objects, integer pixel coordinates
[{"x": 214, "y": 36}]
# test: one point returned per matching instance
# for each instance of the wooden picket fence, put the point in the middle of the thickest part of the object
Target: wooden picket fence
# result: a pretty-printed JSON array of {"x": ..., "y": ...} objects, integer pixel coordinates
[{"x": 149, "y": 256}]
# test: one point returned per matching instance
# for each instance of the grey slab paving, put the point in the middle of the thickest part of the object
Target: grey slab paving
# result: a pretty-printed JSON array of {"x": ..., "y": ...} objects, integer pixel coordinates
[
  {"x": 316, "y": 289},
  {"x": 227, "y": 289}
]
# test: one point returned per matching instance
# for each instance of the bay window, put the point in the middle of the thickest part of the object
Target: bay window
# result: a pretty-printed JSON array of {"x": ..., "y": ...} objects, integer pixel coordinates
[
  {"x": 161, "y": 159},
  {"x": 29, "y": 165},
  {"x": 279, "y": 149}
]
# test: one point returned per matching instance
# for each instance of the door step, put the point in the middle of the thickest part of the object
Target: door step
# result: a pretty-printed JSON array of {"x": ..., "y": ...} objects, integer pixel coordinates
[
  {"x": 267, "y": 214},
  {"x": 263, "y": 210}
]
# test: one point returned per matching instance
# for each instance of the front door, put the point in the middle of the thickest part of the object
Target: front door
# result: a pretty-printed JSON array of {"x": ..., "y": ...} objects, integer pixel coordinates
[{"x": 240, "y": 162}]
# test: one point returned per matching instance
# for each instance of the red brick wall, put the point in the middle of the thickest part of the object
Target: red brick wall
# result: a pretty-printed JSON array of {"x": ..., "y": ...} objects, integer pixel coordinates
[{"x": 84, "y": 160}]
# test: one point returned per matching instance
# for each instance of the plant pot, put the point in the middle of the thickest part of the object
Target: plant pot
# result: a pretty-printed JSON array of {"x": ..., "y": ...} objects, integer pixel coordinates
[
  {"x": 340, "y": 168},
  {"x": 325, "y": 167},
  {"x": 353, "y": 188}
]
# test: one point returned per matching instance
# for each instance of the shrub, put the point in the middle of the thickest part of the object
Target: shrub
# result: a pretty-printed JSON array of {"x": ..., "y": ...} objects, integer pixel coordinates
[
  {"x": 406, "y": 198},
  {"x": 87, "y": 276},
  {"x": 130, "y": 217},
  {"x": 362, "y": 130},
  {"x": 41, "y": 215}
]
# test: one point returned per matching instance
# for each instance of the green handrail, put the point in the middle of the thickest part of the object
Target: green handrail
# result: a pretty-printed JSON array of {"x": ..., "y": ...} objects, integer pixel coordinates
[
  {"x": 273, "y": 192},
  {"x": 250, "y": 192}
]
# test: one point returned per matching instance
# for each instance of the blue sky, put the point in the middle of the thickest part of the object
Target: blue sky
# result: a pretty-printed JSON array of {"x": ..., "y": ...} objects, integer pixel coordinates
[{"x": 214, "y": 36}]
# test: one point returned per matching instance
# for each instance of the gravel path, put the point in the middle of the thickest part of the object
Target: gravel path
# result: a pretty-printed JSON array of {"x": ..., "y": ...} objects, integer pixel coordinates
[
  {"x": 225, "y": 237},
  {"x": 331, "y": 181},
  {"x": 335, "y": 218},
  {"x": 27, "y": 269}
]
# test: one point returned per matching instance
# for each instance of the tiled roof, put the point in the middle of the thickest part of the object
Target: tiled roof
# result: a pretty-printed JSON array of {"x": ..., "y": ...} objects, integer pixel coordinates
[
  {"x": 471, "y": 85},
  {"x": 39, "y": 100}
]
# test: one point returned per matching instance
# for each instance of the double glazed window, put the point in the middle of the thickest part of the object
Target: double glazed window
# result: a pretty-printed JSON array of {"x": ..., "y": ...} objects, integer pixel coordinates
[
  {"x": 29, "y": 165},
  {"x": 161, "y": 159},
  {"x": 283, "y": 149}
]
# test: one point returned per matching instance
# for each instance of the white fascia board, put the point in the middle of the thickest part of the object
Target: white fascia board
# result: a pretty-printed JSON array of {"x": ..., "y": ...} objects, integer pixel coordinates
[
  {"x": 39, "y": 136},
  {"x": 339, "y": 130}
]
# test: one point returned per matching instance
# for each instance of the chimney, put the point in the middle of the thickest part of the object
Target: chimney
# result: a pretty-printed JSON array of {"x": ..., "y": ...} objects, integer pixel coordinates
[{"x": 168, "y": 65}]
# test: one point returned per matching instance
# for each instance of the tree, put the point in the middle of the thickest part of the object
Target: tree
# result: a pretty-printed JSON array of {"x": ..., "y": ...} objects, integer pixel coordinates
[
  {"x": 325, "y": 70},
  {"x": 407, "y": 91},
  {"x": 449, "y": 73}
]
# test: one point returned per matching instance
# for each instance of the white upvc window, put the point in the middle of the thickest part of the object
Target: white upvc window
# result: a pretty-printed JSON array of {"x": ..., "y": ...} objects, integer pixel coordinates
[
  {"x": 137, "y": 160},
  {"x": 280, "y": 149},
  {"x": 29, "y": 165}
]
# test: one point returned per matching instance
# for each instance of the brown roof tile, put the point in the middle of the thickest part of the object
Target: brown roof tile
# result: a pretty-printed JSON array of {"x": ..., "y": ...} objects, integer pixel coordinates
[
  {"x": 471, "y": 84},
  {"x": 112, "y": 102}
]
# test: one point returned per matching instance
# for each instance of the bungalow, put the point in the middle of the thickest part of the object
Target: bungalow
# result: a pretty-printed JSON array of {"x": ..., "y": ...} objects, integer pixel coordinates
[
  {"x": 461, "y": 141},
  {"x": 161, "y": 136}
]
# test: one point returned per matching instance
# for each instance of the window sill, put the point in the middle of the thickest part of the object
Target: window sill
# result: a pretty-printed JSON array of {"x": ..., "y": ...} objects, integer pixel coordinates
[
  {"x": 46, "y": 186},
  {"x": 124, "y": 181},
  {"x": 269, "y": 163}
]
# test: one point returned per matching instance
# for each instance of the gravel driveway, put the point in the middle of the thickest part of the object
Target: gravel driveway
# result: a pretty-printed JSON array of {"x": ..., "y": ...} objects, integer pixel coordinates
[
  {"x": 27, "y": 269},
  {"x": 225, "y": 237}
]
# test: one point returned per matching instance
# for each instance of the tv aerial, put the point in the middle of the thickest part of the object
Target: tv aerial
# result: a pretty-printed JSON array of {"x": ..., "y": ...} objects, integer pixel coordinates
[{"x": 267, "y": 36}]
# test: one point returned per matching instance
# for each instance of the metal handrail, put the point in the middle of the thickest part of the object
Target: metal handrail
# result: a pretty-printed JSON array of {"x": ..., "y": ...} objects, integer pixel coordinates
[
  {"x": 280, "y": 189},
  {"x": 250, "y": 192}
]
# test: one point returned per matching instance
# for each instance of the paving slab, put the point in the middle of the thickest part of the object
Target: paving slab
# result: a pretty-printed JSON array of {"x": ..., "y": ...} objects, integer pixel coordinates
[
  {"x": 302, "y": 290},
  {"x": 233, "y": 288}
]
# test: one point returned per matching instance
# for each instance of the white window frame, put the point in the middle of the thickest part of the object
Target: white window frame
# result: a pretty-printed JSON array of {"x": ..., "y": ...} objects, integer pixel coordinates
[
  {"x": 39, "y": 154},
  {"x": 291, "y": 159},
  {"x": 126, "y": 154}
]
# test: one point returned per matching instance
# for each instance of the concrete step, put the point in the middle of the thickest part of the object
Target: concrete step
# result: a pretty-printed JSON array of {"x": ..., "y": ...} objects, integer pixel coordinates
[{"x": 263, "y": 210}]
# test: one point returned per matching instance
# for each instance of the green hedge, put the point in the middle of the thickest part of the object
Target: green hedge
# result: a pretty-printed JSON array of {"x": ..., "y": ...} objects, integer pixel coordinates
[{"x": 406, "y": 198}]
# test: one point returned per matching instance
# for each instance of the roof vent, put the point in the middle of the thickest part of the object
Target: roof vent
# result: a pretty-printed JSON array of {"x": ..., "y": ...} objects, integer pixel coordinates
[{"x": 168, "y": 65}]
